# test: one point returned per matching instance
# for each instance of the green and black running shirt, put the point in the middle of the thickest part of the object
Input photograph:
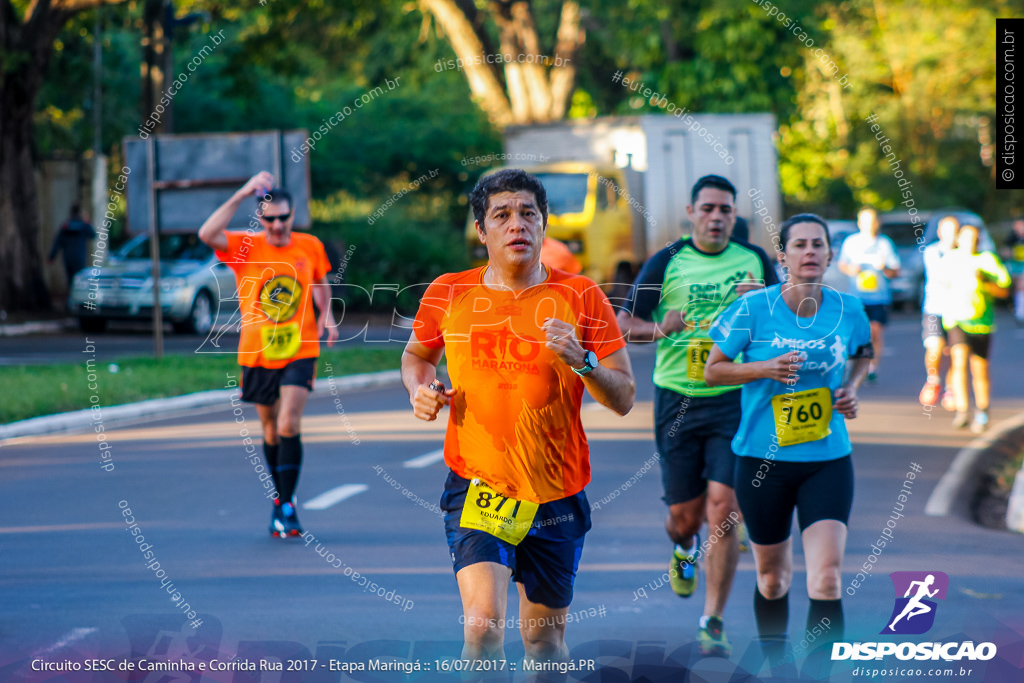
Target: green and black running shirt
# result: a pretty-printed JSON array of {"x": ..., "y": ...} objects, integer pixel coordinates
[{"x": 682, "y": 277}]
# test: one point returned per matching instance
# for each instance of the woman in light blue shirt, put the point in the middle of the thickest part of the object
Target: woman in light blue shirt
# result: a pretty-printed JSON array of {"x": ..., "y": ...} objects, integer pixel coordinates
[{"x": 792, "y": 445}]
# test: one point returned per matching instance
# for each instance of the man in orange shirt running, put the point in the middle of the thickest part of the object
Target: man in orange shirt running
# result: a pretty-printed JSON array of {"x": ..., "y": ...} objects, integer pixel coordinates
[
  {"x": 522, "y": 341},
  {"x": 280, "y": 275}
]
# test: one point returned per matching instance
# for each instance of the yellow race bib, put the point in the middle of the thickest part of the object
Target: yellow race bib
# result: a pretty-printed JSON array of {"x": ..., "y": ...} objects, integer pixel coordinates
[
  {"x": 696, "y": 358},
  {"x": 487, "y": 510},
  {"x": 867, "y": 280},
  {"x": 803, "y": 416},
  {"x": 280, "y": 341},
  {"x": 1018, "y": 252}
]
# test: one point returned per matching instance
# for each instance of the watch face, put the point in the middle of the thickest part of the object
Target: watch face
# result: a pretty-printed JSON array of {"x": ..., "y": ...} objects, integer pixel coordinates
[{"x": 590, "y": 359}]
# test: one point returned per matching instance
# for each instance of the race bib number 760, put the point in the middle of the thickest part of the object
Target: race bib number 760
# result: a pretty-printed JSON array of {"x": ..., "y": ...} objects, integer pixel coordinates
[{"x": 803, "y": 416}]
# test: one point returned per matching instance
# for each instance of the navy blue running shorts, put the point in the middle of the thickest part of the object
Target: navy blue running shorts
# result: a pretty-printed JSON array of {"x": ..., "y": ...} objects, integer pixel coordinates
[
  {"x": 877, "y": 313},
  {"x": 545, "y": 562},
  {"x": 817, "y": 490}
]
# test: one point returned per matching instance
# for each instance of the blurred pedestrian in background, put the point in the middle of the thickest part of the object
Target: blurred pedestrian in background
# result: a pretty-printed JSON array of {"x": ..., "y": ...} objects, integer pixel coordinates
[
  {"x": 870, "y": 258},
  {"x": 969, "y": 319},
  {"x": 1014, "y": 255},
  {"x": 73, "y": 240},
  {"x": 936, "y": 295}
]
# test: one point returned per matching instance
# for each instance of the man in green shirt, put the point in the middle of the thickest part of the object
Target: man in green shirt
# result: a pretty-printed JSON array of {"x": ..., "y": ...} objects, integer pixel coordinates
[
  {"x": 677, "y": 295},
  {"x": 969, "y": 317}
]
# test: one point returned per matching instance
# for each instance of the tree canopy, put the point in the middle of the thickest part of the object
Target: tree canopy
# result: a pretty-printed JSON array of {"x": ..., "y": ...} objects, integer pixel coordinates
[{"x": 921, "y": 69}]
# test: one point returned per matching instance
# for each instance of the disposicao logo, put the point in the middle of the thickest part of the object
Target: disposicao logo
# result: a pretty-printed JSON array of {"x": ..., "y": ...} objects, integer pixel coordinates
[{"x": 914, "y": 613}]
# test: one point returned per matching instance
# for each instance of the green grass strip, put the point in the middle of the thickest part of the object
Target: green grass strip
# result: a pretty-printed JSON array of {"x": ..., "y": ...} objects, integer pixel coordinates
[{"x": 35, "y": 390}]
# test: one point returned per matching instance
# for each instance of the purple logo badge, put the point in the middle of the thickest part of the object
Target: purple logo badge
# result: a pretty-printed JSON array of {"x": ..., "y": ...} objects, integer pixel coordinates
[{"x": 916, "y": 592}]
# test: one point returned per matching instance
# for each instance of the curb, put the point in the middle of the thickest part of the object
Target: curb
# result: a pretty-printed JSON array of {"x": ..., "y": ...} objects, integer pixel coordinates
[
  {"x": 1015, "y": 506},
  {"x": 36, "y": 327},
  {"x": 83, "y": 420},
  {"x": 958, "y": 487}
]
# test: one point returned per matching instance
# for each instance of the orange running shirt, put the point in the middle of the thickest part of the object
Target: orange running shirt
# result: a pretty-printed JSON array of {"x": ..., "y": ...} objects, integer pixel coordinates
[
  {"x": 555, "y": 254},
  {"x": 515, "y": 419},
  {"x": 275, "y": 296}
]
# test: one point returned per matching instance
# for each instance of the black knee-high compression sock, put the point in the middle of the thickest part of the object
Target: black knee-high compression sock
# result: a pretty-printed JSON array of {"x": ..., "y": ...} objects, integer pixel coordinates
[
  {"x": 289, "y": 464},
  {"x": 825, "y": 621},
  {"x": 772, "y": 618},
  {"x": 825, "y": 625},
  {"x": 270, "y": 453},
  {"x": 772, "y": 615}
]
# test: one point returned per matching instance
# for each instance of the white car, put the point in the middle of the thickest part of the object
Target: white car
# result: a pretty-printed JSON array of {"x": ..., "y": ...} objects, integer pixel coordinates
[{"x": 194, "y": 285}]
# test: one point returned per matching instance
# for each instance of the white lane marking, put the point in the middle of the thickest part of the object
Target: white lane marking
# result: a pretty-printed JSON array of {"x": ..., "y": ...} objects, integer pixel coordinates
[
  {"x": 334, "y": 496},
  {"x": 74, "y": 635},
  {"x": 425, "y": 460}
]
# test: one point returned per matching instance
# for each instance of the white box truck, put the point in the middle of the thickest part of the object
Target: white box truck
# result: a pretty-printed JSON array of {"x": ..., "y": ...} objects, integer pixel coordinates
[{"x": 661, "y": 157}]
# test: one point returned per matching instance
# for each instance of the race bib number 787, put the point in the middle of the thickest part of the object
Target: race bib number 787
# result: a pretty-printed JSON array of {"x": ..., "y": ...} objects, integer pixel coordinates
[{"x": 280, "y": 341}]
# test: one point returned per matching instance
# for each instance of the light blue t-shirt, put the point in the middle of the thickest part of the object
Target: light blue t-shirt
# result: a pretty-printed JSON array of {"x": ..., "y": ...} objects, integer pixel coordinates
[{"x": 761, "y": 326}]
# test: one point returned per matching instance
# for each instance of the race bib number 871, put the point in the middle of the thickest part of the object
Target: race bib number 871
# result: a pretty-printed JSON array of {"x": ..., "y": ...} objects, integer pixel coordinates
[{"x": 487, "y": 510}]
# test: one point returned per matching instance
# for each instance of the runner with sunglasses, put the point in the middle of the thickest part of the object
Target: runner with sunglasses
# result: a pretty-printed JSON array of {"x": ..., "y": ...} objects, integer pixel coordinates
[
  {"x": 792, "y": 447},
  {"x": 280, "y": 276}
]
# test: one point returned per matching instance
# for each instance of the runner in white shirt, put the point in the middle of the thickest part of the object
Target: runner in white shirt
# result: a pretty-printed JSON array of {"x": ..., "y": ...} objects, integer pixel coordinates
[
  {"x": 870, "y": 259},
  {"x": 936, "y": 291}
]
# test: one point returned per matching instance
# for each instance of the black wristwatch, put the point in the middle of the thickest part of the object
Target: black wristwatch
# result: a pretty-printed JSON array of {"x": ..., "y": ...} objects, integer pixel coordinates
[{"x": 589, "y": 363}]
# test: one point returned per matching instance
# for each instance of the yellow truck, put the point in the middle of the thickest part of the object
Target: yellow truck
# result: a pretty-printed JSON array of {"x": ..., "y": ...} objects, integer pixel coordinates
[
  {"x": 618, "y": 186},
  {"x": 592, "y": 212}
]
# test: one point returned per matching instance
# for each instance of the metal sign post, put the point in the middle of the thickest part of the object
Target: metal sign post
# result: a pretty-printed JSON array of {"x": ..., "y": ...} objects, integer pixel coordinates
[{"x": 154, "y": 250}]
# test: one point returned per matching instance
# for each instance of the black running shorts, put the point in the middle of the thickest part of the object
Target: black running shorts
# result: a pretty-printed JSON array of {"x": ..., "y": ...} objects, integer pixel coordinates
[
  {"x": 694, "y": 437},
  {"x": 979, "y": 344},
  {"x": 263, "y": 386},
  {"x": 816, "y": 490}
]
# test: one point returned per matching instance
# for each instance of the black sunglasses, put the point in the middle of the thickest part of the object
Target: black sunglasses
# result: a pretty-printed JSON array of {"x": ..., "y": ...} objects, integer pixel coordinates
[{"x": 283, "y": 217}]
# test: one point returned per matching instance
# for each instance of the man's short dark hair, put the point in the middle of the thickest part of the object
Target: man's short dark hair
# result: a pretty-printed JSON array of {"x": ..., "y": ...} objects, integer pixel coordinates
[
  {"x": 715, "y": 181},
  {"x": 277, "y": 194},
  {"x": 506, "y": 180}
]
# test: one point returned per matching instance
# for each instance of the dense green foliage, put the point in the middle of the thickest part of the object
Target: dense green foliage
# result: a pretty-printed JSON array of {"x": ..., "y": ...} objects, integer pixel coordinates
[{"x": 923, "y": 68}]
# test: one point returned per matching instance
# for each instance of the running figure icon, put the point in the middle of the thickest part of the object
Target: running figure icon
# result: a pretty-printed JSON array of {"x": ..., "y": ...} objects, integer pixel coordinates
[{"x": 914, "y": 606}]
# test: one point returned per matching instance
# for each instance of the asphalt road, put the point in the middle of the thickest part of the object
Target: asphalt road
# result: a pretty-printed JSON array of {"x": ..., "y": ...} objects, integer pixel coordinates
[{"x": 75, "y": 586}]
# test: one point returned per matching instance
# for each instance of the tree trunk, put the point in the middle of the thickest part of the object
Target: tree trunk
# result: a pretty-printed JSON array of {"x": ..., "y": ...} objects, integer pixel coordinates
[
  {"x": 537, "y": 87},
  {"x": 563, "y": 74},
  {"x": 26, "y": 46},
  {"x": 483, "y": 81},
  {"x": 22, "y": 286},
  {"x": 532, "y": 92}
]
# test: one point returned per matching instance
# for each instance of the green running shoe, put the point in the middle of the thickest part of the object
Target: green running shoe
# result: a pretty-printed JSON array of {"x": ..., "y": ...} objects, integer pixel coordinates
[
  {"x": 682, "y": 572},
  {"x": 711, "y": 639}
]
